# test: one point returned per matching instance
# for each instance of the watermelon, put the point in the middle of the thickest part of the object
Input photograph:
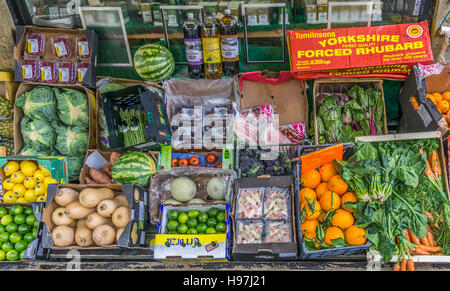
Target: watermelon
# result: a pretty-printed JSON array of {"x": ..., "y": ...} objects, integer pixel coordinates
[
  {"x": 153, "y": 62},
  {"x": 133, "y": 167}
]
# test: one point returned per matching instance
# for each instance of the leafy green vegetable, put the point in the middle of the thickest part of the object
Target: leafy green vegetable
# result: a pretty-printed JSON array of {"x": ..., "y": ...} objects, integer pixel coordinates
[
  {"x": 72, "y": 141},
  {"x": 39, "y": 103},
  {"x": 73, "y": 107},
  {"x": 29, "y": 151},
  {"x": 74, "y": 164},
  {"x": 38, "y": 134}
]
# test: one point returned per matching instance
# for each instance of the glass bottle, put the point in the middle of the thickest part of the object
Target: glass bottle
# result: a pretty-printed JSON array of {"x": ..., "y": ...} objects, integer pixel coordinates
[
  {"x": 193, "y": 45},
  {"x": 229, "y": 44},
  {"x": 211, "y": 49}
]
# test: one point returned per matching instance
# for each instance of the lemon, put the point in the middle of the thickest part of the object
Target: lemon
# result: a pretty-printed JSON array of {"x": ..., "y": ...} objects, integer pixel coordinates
[
  {"x": 40, "y": 189},
  {"x": 28, "y": 168},
  {"x": 30, "y": 196},
  {"x": 19, "y": 190},
  {"x": 10, "y": 168},
  {"x": 50, "y": 180},
  {"x": 45, "y": 171},
  {"x": 9, "y": 197},
  {"x": 21, "y": 200},
  {"x": 40, "y": 199},
  {"x": 29, "y": 183},
  {"x": 39, "y": 176},
  {"x": 8, "y": 184},
  {"x": 17, "y": 177}
]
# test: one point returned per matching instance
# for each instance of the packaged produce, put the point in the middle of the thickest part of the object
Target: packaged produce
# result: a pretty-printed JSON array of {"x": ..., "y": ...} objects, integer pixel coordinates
[
  {"x": 6, "y": 108},
  {"x": 249, "y": 203},
  {"x": 35, "y": 44},
  {"x": 6, "y": 147},
  {"x": 30, "y": 69},
  {"x": 7, "y": 128},
  {"x": 249, "y": 231},
  {"x": 295, "y": 132},
  {"x": 81, "y": 71},
  {"x": 82, "y": 47},
  {"x": 48, "y": 71},
  {"x": 276, "y": 203},
  {"x": 61, "y": 46},
  {"x": 277, "y": 232},
  {"x": 66, "y": 72},
  {"x": 267, "y": 161}
]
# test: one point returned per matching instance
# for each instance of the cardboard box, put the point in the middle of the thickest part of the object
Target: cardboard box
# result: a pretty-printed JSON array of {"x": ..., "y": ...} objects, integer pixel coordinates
[
  {"x": 265, "y": 251},
  {"x": 427, "y": 117},
  {"x": 133, "y": 235},
  {"x": 18, "y": 113},
  {"x": 22, "y": 31},
  {"x": 157, "y": 128},
  {"x": 387, "y": 51},
  {"x": 107, "y": 155},
  {"x": 188, "y": 247},
  {"x": 329, "y": 84}
]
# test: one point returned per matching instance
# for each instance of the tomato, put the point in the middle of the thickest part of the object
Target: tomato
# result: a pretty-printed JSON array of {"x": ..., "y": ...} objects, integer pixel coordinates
[
  {"x": 174, "y": 163},
  {"x": 182, "y": 163},
  {"x": 194, "y": 161},
  {"x": 219, "y": 164},
  {"x": 211, "y": 158}
]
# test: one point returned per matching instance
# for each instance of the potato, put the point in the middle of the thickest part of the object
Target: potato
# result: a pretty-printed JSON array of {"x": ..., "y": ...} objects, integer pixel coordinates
[{"x": 99, "y": 176}]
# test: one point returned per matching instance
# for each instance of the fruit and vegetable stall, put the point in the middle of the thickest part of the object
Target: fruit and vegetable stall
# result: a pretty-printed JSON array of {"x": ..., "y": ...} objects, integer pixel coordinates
[{"x": 328, "y": 165}]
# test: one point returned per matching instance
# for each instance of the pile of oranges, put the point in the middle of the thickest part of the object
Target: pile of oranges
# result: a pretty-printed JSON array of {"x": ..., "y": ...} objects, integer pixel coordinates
[
  {"x": 324, "y": 216},
  {"x": 442, "y": 102}
]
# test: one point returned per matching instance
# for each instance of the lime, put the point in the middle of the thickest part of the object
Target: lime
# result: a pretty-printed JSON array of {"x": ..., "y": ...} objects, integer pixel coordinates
[
  {"x": 221, "y": 216},
  {"x": 16, "y": 209},
  {"x": 201, "y": 227},
  {"x": 4, "y": 236},
  {"x": 193, "y": 213},
  {"x": 15, "y": 237},
  {"x": 12, "y": 255},
  {"x": 2, "y": 255},
  {"x": 30, "y": 219},
  {"x": 192, "y": 231},
  {"x": 202, "y": 217},
  {"x": 21, "y": 245},
  {"x": 12, "y": 227},
  {"x": 220, "y": 227},
  {"x": 172, "y": 225},
  {"x": 182, "y": 228},
  {"x": 210, "y": 230},
  {"x": 23, "y": 228},
  {"x": 20, "y": 218},
  {"x": 28, "y": 211},
  {"x": 2, "y": 228},
  {"x": 29, "y": 237},
  {"x": 3, "y": 211},
  {"x": 36, "y": 224},
  {"x": 22, "y": 253},
  {"x": 211, "y": 222},
  {"x": 7, "y": 246},
  {"x": 7, "y": 219},
  {"x": 182, "y": 218},
  {"x": 173, "y": 214},
  {"x": 192, "y": 222},
  {"x": 212, "y": 212},
  {"x": 34, "y": 233},
  {"x": 173, "y": 232}
]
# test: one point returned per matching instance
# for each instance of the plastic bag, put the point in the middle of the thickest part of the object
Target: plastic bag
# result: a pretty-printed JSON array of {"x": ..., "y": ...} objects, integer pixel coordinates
[
  {"x": 249, "y": 231},
  {"x": 82, "y": 47},
  {"x": 48, "y": 71},
  {"x": 61, "y": 46},
  {"x": 277, "y": 232},
  {"x": 66, "y": 73},
  {"x": 277, "y": 203},
  {"x": 81, "y": 71},
  {"x": 35, "y": 44},
  {"x": 249, "y": 203},
  {"x": 30, "y": 70}
]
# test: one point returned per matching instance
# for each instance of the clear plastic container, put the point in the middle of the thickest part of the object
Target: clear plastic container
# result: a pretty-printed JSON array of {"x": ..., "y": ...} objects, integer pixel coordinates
[
  {"x": 66, "y": 72},
  {"x": 249, "y": 231},
  {"x": 277, "y": 203},
  {"x": 81, "y": 71},
  {"x": 277, "y": 232},
  {"x": 82, "y": 48},
  {"x": 30, "y": 70},
  {"x": 249, "y": 203},
  {"x": 35, "y": 44},
  {"x": 49, "y": 71},
  {"x": 61, "y": 46}
]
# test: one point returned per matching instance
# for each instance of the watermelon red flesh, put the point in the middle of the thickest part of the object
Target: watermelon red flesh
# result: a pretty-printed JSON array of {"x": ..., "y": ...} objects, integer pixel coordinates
[
  {"x": 133, "y": 167},
  {"x": 154, "y": 62}
]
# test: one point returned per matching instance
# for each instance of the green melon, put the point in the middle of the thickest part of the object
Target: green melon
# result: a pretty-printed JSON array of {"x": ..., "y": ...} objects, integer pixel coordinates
[
  {"x": 133, "y": 167},
  {"x": 153, "y": 62}
]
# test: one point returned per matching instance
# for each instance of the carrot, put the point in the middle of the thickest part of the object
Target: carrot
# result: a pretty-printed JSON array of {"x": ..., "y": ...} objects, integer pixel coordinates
[
  {"x": 430, "y": 236},
  {"x": 403, "y": 265},
  {"x": 429, "y": 248},
  {"x": 424, "y": 241},
  {"x": 438, "y": 254},
  {"x": 435, "y": 163},
  {"x": 429, "y": 171},
  {"x": 428, "y": 214},
  {"x": 420, "y": 251},
  {"x": 410, "y": 265},
  {"x": 407, "y": 236},
  {"x": 415, "y": 240},
  {"x": 396, "y": 267}
]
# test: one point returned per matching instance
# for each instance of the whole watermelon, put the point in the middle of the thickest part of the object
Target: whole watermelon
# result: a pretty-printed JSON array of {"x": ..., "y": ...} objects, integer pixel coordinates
[
  {"x": 153, "y": 62},
  {"x": 133, "y": 167}
]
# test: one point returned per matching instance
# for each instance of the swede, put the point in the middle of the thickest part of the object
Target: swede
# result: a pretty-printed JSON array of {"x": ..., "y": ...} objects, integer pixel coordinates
[
  {"x": 60, "y": 218},
  {"x": 106, "y": 207},
  {"x": 77, "y": 211},
  {"x": 104, "y": 235},
  {"x": 66, "y": 195},
  {"x": 121, "y": 217},
  {"x": 94, "y": 219},
  {"x": 63, "y": 236}
]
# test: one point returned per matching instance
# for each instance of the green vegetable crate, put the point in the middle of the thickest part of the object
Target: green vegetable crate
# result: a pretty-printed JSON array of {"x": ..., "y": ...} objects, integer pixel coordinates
[{"x": 348, "y": 108}]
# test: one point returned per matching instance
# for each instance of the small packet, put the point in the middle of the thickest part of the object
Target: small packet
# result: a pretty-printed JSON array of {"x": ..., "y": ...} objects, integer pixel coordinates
[
  {"x": 66, "y": 73},
  {"x": 48, "y": 71},
  {"x": 81, "y": 71},
  {"x": 30, "y": 70},
  {"x": 249, "y": 203},
  {"x": 277, "y": 232},
  {"x": 276, "y": 203},
  {"x": 35, "y": 44},
  {"x": 249, "y": 231},
  {"x": 82, "y": 47},
  {"x": 61, "y": 47},
  {"x": 295, "y": 132}
]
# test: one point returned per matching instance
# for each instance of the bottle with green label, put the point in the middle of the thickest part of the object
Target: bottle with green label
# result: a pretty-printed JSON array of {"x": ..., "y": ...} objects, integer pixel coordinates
[{"x": 211, "y": 49}]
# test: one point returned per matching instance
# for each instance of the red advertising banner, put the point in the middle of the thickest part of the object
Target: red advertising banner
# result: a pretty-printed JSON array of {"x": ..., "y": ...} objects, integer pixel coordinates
[{"x": 376, "y": 51}]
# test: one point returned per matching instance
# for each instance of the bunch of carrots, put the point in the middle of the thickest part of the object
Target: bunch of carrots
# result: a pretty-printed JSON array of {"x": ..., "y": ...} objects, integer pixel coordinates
[{"x": 433, "y": 170}]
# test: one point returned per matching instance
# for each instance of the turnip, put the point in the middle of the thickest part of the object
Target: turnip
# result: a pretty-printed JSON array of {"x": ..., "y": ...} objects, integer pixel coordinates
[
  {"x": 106, "y": 207},
  {"x": 183, "y": 189},
  {"x": 65, "y": 195},
  {"x": 121, "y": 217},
  {"x": 104, "y": 235},
  {"x": 63, "y": 236},
  {"x": 215, "y": 188},
  {"x": 60, "y": 218}
]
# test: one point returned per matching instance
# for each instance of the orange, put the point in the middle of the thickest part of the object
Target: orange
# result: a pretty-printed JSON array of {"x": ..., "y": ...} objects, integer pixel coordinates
[
  {"x": 321, "y": 216},
  {"x": 321, "y": 189},
  {"x": 348, "y": 197},
  {"x": 446, "y": 96},
  {"x": 312, "y": 212},
  {"x": 414, "y": 103},
  {"x": 342, "y": 219},
  {"x": 309, "y": 227},
  {"x": 327, "y": 171},
  {"x": 307, "y": 193},
  {"x": 431, "y": 97},
  {"x": 310, "y": 179},
  {"x": 355, "y": 236},
  {"x": 443, "y": 106},
  {"x": 330, "y": 200},
  {"x": 332, "y": 233},
  {"x": 437, "y": 97},
  {"x": 338, "y": 185}
]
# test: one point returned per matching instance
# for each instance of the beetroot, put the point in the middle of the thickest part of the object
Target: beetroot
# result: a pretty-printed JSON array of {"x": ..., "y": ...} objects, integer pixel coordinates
[
  {"x": 61, "y": 47},
  {"x": 48, "y": 71},
  {"x": 82, "y": 47},
  {"x": 66, "y": 73},
  {"x": 30, "y": 70},
  {"x": 35, "y": 44}
]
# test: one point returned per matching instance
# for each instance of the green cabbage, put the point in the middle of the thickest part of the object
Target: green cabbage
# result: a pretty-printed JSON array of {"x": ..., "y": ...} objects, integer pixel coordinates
[
  {"x": 39, "y": 103},
  {"x": 74, "y": 164},
  {"x": 72, "y": 141},
  {"x": 38, "y": 134},
  {"x": 73, "y": 107},
  {"x": 29, "y": 151}
]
